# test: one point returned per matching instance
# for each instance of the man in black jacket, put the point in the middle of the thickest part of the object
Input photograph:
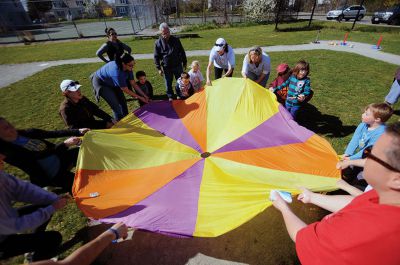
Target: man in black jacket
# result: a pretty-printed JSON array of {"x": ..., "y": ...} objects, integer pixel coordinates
[
  {"x": 169, "y": 57},
  {"x": 47, "y": 164}
]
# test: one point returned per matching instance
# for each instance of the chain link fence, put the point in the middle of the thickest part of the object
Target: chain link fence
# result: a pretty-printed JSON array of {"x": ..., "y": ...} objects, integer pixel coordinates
[
  {"x": 72, "y": 19},
  {"x": 64, "y": 22}
]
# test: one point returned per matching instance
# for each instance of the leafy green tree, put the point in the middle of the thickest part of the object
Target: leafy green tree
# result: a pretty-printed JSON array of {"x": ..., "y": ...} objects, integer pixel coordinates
[{"x": 104, "y": 9}]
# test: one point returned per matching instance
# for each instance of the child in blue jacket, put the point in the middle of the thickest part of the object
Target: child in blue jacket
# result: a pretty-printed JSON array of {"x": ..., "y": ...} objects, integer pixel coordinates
[
  {"x": 299, "y": 87},
  {"x": 369, "y": 130}
]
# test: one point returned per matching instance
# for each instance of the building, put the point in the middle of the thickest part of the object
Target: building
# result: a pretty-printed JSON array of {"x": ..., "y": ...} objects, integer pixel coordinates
[
  {"x": 219, "y": 4},
  {"x": 67, "y": 9},
  {"x": 125, "y": 8},
  {"x": 13, "y": 16}
]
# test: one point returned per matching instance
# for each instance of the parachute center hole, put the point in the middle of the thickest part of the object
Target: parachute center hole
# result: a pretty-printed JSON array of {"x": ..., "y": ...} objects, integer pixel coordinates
[{"x": 205, "y": 154}]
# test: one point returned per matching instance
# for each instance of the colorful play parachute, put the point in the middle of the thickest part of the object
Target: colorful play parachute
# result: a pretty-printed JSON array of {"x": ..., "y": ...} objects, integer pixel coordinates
[{"x": 199, "y": 167}]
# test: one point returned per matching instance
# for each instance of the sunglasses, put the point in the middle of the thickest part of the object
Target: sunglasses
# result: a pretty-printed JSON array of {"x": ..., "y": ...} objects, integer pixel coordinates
[
  {"x": 382, "y": 163},
  {"x": 219, "y": 45},
  {"x": 72, "y": 84},
  {"x": 113, "y": 34}
]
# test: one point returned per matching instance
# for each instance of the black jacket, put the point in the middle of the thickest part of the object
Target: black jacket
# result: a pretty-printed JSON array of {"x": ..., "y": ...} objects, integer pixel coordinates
[
  {"x": 81, "y": 114},
  {"x": 169, "y": 54},
  {"x": 27, "y": 160}
]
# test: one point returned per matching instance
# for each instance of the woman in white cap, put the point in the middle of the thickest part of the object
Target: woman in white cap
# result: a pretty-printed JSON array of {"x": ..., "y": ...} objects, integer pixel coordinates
[
  {"x": 77, "y": 111},
  {"x": 223, "y": 58},
  {"x": 256, "y": 66}
]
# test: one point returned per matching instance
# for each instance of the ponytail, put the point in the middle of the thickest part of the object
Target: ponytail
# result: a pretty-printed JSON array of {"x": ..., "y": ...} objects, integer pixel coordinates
[
  {"x": 226, "y": 48},
  {"x": 124, "y": 58},
  {"x": 108, "y": 31}
]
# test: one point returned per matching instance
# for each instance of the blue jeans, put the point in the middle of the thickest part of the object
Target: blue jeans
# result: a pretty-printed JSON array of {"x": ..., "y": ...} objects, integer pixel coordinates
[
  {"x": 169, "y": 74},
  {"x": 394, "y": 93},
  {"x": 115, "y": 98},
  {"x": 292, "y": 109},
  {"x": 254, "y": 77}
]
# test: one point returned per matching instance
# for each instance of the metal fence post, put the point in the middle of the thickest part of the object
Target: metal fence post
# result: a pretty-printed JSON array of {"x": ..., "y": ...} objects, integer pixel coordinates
[
  {"x": 137, "y": 18},
  {"x": 312, "y": 13},
  {"x": 73, "y": 22},
  {"x": 131, "y": 19},
  {"x": 358, "y": 13}
]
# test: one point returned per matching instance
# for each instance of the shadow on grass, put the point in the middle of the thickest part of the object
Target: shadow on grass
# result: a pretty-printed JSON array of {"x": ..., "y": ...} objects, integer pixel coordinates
[
  {"x": 396, "y": 112},
  {"x": 329, "y": 125},
  {"x": 160, "y": 97},
  {"x": 305, "y": 28},
  {"x": 262, "y": 240},
  {"x": 80, "y": 236},
  {"x": 155, "y": 97}
]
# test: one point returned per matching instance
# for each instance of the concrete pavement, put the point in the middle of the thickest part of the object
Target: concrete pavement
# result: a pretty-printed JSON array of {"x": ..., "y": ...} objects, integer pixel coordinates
[{"x": 11, "y": 73}]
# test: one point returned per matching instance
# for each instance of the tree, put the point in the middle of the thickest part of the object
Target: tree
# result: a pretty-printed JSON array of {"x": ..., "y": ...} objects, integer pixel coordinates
[
  {"x": 258, "y": 10},
  {"x": 104, "y": 9},
  {"x": 156, "y": 11},
  {"x": 178, "y": 11},
  {"x": 90, "y": 8},
  {"x": 36, "y": 8},
  {"x": 197, "y": 6},
  {"x": 221, "y": 6}
]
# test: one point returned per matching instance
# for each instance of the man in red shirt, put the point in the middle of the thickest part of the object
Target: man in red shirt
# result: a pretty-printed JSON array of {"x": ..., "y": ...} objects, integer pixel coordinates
[{"x": 361, "y": 230}]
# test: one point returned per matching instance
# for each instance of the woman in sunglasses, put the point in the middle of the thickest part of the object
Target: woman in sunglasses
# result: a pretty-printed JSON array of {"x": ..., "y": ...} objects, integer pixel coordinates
[
  {"x": 256, "y": 66},
  {"x": 111, "y": 82},
  {"x": 113, "y": 47},
  {"x": 223, "y": 58}
]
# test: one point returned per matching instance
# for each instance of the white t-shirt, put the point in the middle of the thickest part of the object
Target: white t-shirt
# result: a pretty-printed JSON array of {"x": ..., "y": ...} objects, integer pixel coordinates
[
  {"x": 368, "y": 188},
  {"x": 263, "y": 67},
  {"x": 196, "y": 78},
  {"x": 228, "y": 58}
]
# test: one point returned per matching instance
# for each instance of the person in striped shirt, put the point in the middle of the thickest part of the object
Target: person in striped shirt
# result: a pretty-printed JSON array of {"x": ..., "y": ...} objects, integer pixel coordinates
[{"x": 299, "y": 87}]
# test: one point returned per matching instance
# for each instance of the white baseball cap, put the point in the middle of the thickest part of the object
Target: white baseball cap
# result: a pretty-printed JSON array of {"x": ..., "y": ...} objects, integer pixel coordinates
[
  {"x": 69, "y": 85},
  {"x": 219, "y": 44}
]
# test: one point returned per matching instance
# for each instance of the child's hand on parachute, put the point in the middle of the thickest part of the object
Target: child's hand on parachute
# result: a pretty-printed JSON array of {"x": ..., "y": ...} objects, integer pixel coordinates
[{"x": 301, "y": 98}]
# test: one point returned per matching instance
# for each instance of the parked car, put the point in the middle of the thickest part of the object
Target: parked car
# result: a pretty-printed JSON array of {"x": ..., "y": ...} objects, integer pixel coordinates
[
  {"x": 390, "y": 16},
  {"x": 39, "y": 21},
  {"x": 347, "y": 13}
]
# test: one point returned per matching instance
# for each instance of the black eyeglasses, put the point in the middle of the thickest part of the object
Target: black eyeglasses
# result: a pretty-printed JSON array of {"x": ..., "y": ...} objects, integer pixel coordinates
[
  {"x": 72, "y": 84},
  {"x": 219, "y": 45},
  {"x": 381, "y": 162},
  {"x": 113, "y": 34}
]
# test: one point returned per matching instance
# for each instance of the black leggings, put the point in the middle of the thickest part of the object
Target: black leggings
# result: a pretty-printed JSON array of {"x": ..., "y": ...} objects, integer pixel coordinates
[
  {"x": 218, "y": 72},
  {"x": 45, "y": 244},
  {"x": 64, "y": 177}
]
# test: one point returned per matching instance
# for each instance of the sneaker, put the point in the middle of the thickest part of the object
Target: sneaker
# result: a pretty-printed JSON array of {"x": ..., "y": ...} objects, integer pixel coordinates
[
  {"x": 28, "y": 257},
  {"x": 170, "y": 99},
  {"x": 391, "y": 105},
  {"x": 93, "y": 222},
  {"x": 178, "y": 97}
]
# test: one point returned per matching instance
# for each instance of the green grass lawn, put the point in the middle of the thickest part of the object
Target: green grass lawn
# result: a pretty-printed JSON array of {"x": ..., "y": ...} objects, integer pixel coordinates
[
  {"x": 341, "y": 93},
  {"x": 263, "y": 35}
]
